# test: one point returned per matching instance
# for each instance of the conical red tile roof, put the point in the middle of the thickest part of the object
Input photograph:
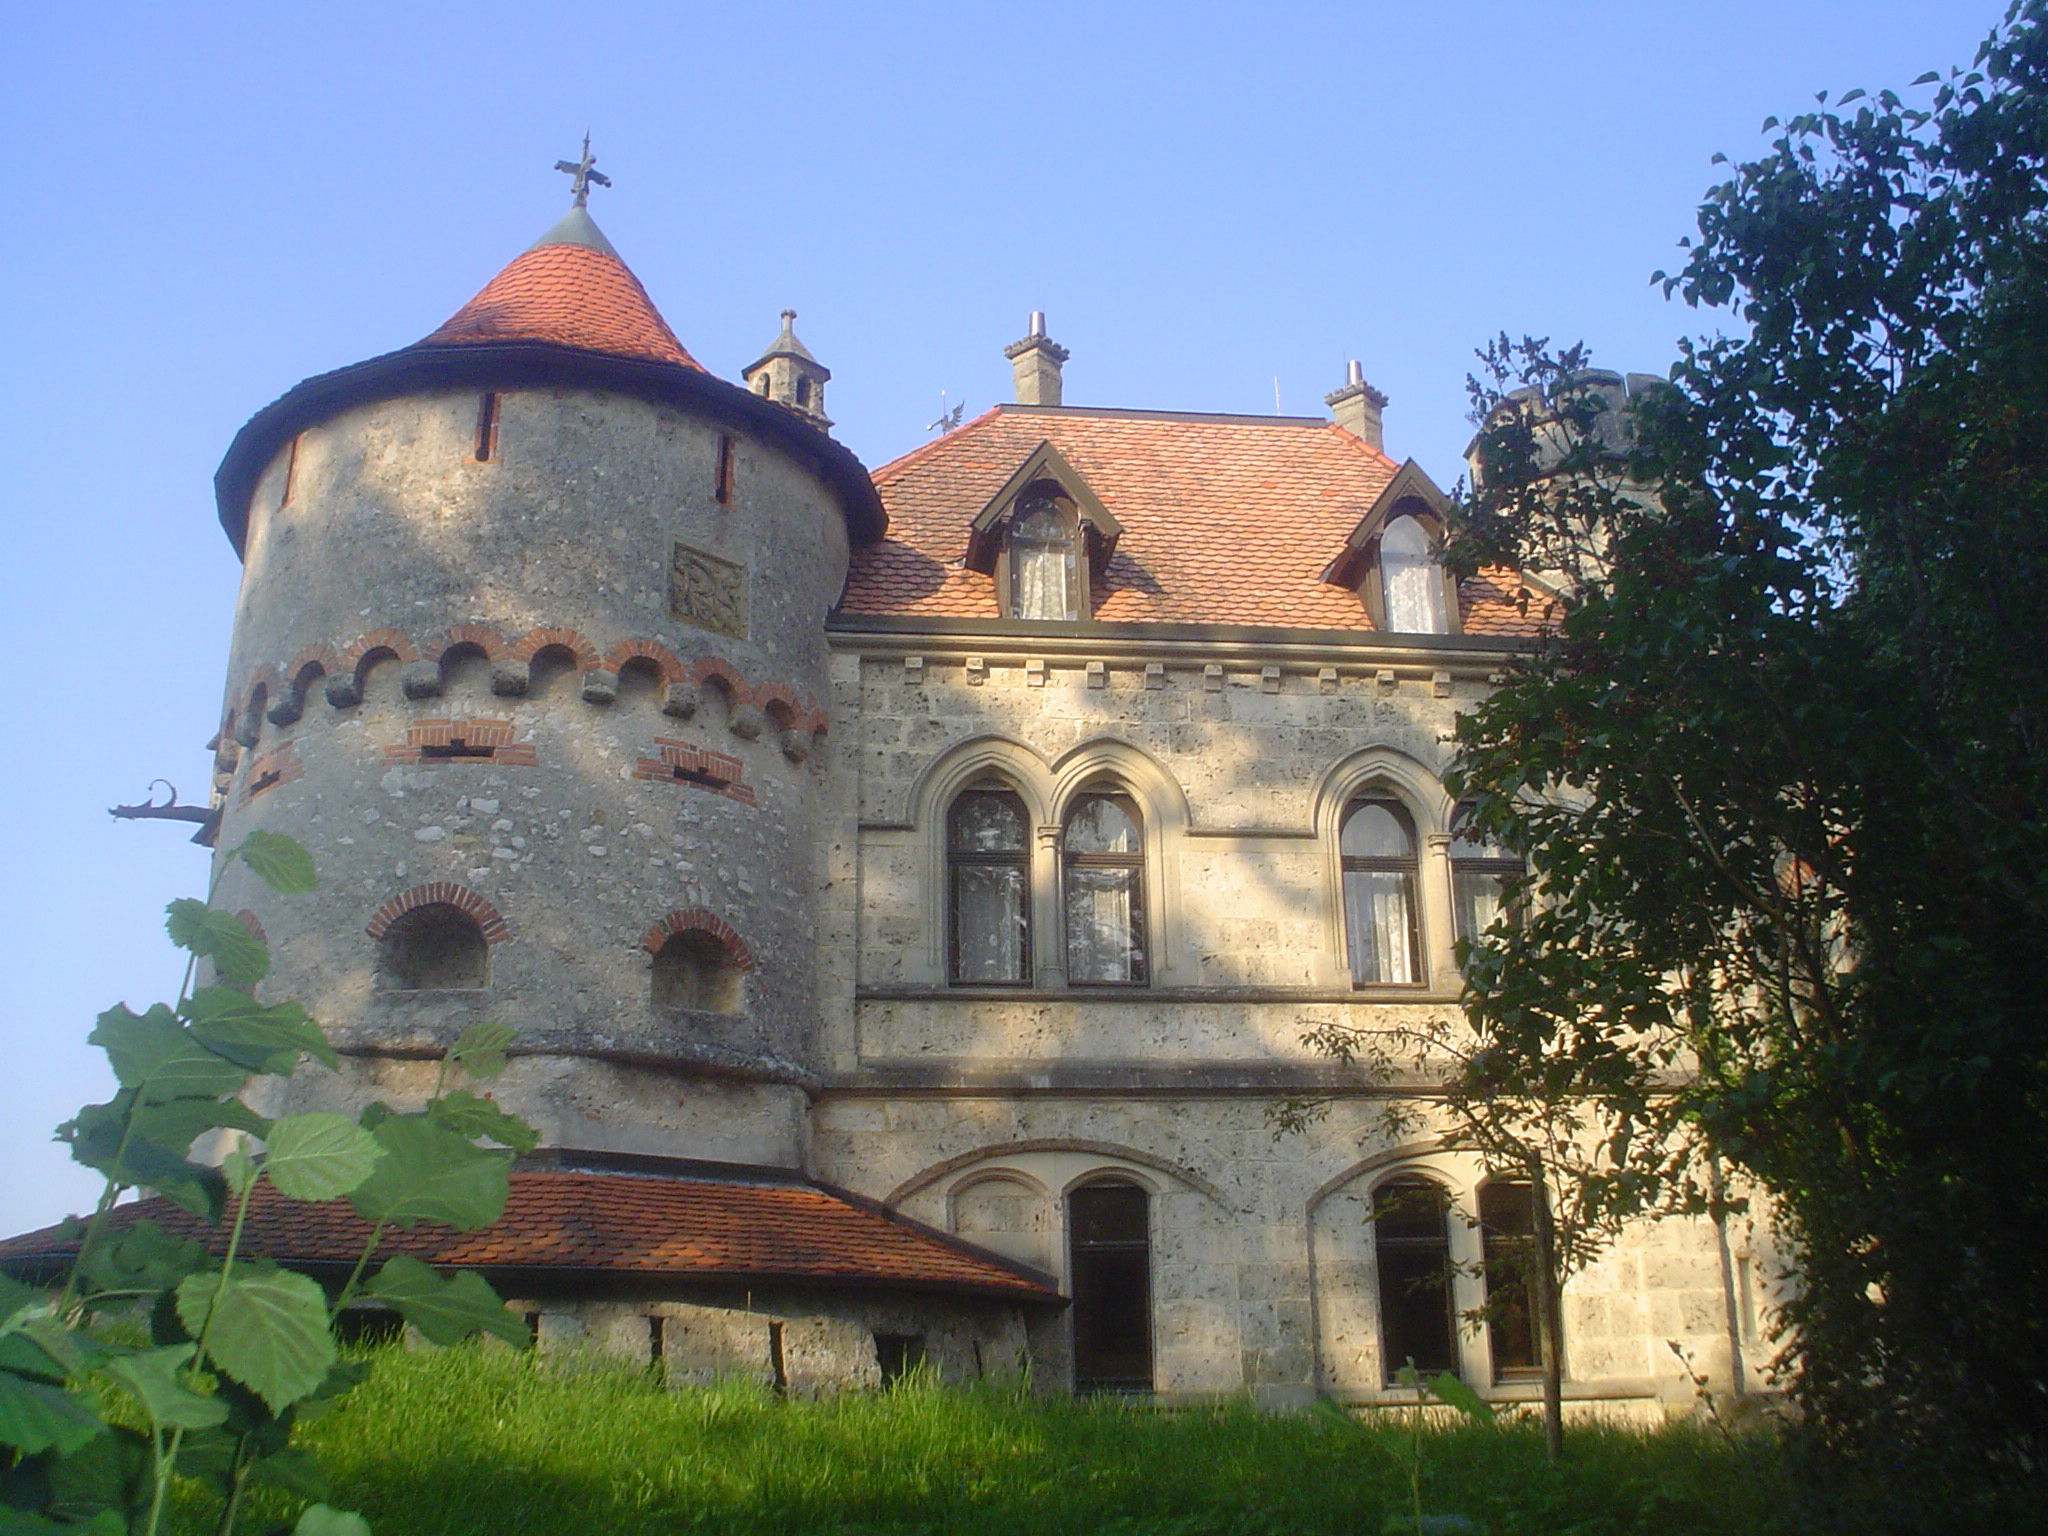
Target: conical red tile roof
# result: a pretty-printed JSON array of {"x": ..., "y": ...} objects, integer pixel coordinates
[{"x": 568, "y": 293}]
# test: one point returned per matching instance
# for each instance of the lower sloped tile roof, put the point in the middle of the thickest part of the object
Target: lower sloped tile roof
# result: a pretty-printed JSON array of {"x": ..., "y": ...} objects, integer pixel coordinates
[{"x": 718, "y": 1225}]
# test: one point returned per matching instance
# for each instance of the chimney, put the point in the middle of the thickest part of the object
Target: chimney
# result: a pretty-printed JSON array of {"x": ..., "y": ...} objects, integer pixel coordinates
[
  {"x": 1357, "y": 406},
  {"x": 1036, "y": 360}
]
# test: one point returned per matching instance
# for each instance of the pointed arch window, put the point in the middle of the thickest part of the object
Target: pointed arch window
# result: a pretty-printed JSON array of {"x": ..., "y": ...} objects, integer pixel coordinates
[
  {"x": 1411, "y": 581},
  {"x": 1376, "y": 849},
  {"x": 1482, "y": 869},
  {"x": 1102, "y": 887},
  {"x": 1045, "y": 565},
  {"x": 988, "y": 875},
  {"x": 1412, "y": 1251}
]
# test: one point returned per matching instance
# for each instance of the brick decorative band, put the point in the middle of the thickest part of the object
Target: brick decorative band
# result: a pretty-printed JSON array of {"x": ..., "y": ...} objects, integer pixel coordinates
[
  {"x": 282, "y": 692},
  {"x": 679, "y": 762},
  {"x": 697, "y": 920},
  {"x": 440, "y": 893}
]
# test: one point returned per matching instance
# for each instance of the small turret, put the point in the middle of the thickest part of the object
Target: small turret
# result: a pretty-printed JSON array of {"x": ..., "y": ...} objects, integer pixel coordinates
[
  {"x": 787, "y": 374},
  {"x": 1357, "y": 408}
]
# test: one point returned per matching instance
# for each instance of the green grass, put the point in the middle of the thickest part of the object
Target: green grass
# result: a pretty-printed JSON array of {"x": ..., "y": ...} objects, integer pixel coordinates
[{"x": 478, "y": 1441}]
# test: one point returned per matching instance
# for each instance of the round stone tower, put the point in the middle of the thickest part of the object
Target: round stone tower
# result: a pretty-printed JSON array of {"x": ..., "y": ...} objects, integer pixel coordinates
[{"x": 529, "y": 653}]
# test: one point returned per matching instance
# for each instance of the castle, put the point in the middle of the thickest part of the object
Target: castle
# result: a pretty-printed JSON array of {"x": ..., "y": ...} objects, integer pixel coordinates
[{"x": 910, "y": 890}]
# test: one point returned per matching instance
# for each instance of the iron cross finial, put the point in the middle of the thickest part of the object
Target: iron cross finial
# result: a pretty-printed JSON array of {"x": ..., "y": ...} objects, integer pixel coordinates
[{"x": 585, "y": 174}]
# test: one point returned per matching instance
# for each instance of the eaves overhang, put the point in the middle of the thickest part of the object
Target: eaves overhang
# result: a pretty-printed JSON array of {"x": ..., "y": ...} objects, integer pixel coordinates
[{"x": 521, "y": 364}]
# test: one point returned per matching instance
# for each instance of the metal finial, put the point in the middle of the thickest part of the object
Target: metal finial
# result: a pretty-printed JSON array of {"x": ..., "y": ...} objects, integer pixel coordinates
[{"x": 585, "y": 174}]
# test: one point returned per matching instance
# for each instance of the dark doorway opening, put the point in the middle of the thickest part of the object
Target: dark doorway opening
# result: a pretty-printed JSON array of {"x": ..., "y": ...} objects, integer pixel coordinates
[{"x": 1110, "y": 1249}]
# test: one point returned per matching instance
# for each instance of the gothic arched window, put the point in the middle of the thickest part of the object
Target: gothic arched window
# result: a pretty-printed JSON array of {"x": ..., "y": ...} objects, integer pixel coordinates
[
  {"x": 1102, "y": 888},
  {"x": 1109, "y": 1250},
  {"x": 1376, "y": 847},
  {"x": 1045, "y": 563},
  {"x": 1412, "y": 1251},
  {"x": 1481, "y": 870},
  {"x": 1411, "y": 581},
  {"x": 988, "y": 878}
]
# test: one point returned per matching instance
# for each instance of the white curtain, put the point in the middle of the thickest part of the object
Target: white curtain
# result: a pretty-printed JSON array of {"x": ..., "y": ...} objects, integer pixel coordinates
[
  {"x": 1100, "y": 943},
  {"x": 1379, "y": 919},
  {"x": 1411, "y": 580}
]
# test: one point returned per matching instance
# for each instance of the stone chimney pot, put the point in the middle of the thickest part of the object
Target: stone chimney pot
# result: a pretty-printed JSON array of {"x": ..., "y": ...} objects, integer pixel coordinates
[{"x": 1037, "y": 360}]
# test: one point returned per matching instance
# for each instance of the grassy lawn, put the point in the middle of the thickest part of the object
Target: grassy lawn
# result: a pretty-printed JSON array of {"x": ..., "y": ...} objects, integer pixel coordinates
[{"x": 476, "y": 1441}]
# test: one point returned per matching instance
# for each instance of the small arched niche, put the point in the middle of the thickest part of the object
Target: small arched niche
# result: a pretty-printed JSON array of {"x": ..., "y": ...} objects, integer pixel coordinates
[
  {"x": 435, "y": 947},
  {"x": 695, "y": 969}
]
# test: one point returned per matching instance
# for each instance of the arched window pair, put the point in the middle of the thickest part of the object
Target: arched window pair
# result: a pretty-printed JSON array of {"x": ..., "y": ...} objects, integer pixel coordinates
[
  {"x": 1101, "y": 886},
  {"x": 1381, "y": 864},
  {"x": 1417, "y": 1277}
]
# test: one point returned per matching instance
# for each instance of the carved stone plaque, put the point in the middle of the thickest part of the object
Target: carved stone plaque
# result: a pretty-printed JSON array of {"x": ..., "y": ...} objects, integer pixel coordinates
[{"x": 708, "y": 592}]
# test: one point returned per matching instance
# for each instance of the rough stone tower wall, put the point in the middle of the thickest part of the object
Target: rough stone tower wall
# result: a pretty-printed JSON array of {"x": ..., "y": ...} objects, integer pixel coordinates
[{"x": 555, "y": 661}]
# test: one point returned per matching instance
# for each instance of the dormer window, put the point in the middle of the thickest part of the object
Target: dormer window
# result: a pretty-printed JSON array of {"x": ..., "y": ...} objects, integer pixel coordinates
[
  {"x": 1411, "y": 582},
  {"x": 1390, "y": 559},
  {"x": 1042, "y": 538},
  {"x": 1045, "y": 567}
]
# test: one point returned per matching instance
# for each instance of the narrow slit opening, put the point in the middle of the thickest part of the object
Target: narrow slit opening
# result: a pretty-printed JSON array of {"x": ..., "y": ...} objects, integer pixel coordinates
[
  {"x": 721, "y": 482},
  {"x": 487, "y": 428}
]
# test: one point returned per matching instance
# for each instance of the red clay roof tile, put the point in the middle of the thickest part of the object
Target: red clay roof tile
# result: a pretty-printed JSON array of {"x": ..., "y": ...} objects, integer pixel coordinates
[
  {"x": 653, "y": 1225},
  {"x": 1227, "y": 519},
  {"x": 569, "y": 296}
]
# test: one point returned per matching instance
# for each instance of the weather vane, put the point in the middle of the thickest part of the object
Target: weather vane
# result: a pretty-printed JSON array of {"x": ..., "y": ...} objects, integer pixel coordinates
[
  {"x": 585, "y": 172},
  {"x": 948, "y": 420}
]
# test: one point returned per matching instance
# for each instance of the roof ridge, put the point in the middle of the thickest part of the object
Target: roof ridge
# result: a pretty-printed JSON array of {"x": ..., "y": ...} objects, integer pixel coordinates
[{"x": 924, "y": 450}]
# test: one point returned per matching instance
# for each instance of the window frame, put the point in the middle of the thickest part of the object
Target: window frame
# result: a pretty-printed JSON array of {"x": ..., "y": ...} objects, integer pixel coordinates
[
  {"x": 1505, "y": 1261},
  {"x": 1410, "y": 867},
  {"x": 1385, "y": 1246},
  {"x": 1077, "y": 1247},
  {"x": 1502, "y": 866},
  {"x": 1047, "y": 496},
  {"x": 1071, "y": 862},
  {"x": 1019, "y": 859}
]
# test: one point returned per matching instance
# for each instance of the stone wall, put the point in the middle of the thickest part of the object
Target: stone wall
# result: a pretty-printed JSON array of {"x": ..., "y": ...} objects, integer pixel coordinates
[{"x": 980, "y": 1109}]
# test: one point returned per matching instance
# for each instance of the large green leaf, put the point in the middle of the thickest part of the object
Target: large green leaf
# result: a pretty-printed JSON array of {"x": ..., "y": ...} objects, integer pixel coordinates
[
  {"x": 319, "y": 1156},
  {"x": 430, "y": 1173},
  {"x": 278, "y": 862},
  {"x": 98, "y": 1137},
  {"x": 267, "y": 1331},
  {"x": 152, "y": 1052},
  {"x": 16, "y": 1298},
  {"x": 445, "y": 1311},
  {"x": 143, "y": 1258},
  {"x": 263, "y": 1039},
  {"x": 480, "y": 1049},
  {"x": 37, "y": 1416},
  {"x": 152, "y": 1375},
  {"x": 238, "y": 956},
  {"x": 472, "y": 1116},
  {"x": 324, "y": 1520}
]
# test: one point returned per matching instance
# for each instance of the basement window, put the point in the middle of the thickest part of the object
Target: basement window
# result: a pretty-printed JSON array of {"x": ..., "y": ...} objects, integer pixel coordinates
[
  {"x": 898, "y": 1354},
  {"x": 436, "y": 947}
]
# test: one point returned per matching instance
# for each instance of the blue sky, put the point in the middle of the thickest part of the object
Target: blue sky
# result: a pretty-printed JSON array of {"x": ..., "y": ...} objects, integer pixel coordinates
[{"x": 1211, "y": 203}]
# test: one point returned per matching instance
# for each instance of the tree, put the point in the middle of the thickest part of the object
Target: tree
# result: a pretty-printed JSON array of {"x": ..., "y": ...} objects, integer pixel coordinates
[{"x": 1779, "y": 770}]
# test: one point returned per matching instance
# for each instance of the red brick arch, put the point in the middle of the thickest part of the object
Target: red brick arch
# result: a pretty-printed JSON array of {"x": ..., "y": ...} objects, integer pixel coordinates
[
  {"x": 697, "y": 920},
  {"x": 441, "y": 892}
]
